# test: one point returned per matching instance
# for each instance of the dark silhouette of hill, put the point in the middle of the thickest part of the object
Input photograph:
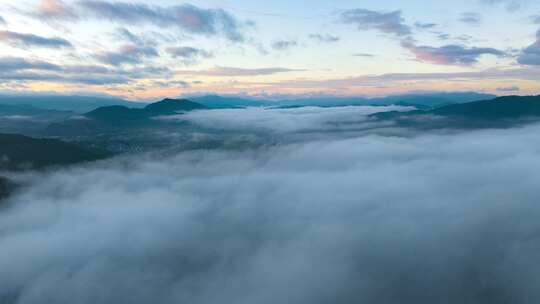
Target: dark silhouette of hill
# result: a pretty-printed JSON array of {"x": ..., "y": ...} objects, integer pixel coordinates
[
  {"x": 116, "y": 115},
  {"x": 498, "y": 112},
  {"x": 19, "y": 152},
  {"x": 508, "y": 107},
  {"x": 105, "y": 119}
]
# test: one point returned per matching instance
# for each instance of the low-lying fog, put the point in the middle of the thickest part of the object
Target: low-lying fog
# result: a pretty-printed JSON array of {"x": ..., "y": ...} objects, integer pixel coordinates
[{"x": 429, "y": 218}]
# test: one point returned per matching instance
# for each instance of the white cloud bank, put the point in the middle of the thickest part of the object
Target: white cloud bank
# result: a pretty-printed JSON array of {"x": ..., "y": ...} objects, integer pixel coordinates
[
  {"x": 433, "y": 218},
  {"x": 286, "y": 120}
]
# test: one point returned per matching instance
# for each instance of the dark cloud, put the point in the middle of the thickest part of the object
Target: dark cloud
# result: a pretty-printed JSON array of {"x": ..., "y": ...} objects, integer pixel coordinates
[
  {"x": 230, "y": 71},
  {"x": 324, "y": 38},
  {"x": 449, "y": 54},
  {"x": 21, "y": 39},
  {"x": 509, "y": 89},
  {"x": 471, "y": 18},
  {"x": 188, "y": 55},
  {"x": 128, "y": 54},
  {"x": 187, "y": 17},
  {"x": 425, "y": 25},
  {"x": 283, "y": 45},
  {"x": 531, "y": 54},
  {"x": 386, "y": 22}
]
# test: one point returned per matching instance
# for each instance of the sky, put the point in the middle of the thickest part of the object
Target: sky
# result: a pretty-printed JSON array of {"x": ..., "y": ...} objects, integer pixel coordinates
[{"x": 145, "y": 50}]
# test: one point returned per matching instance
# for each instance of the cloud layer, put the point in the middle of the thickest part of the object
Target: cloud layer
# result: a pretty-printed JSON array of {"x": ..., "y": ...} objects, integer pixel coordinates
[{"x": 431, "y": 218}]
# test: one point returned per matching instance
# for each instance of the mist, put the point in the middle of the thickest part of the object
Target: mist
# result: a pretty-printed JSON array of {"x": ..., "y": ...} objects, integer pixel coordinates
[{"x": 431, "y": 217}]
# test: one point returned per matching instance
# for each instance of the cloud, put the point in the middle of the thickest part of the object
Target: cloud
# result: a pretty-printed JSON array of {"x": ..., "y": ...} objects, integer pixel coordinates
[
  {"x": 127, "y": 35},
  {"x": 60, "y": 78},
  {"x": 471, "y": 18},
  {"x": 283, "y": 45},
  {"x": 188, "y": 55},
  {"x": 128, "y": 54},
  {"x": 396, "y": 80},
  {"x": 304, "y": 119},
  {"x": 389, "y": 23},
  {"x": 511, "y": 5},
  {"x": 232, "y": 71},
  {"x": 449, "y": 54},
  {"x": 535, "y": 19},
  {"x": 364, "y": 55},
  {"x": 187, "y": 17},
  {"x": 21, "y": 39},
  {"x": 17, "y": 64},
  {"x": 509, "y": 89},
  {"x": 2, "y": 21},
  {"x": 531, "y": 54},
  {"x": 16, "y": 69},
  {"x": 328, "y": 218},
  {"x": 324, "y": 38},
  {"x": 422, "y": 25},
  {"x": 55, "y": 10},
  {"x": 173, "y": 83},
  {"x": 425, "y": 25},
  {"x": 443, "y": 36}
]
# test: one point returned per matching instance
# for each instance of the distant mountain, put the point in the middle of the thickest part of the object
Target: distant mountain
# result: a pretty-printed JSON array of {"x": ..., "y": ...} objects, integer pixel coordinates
[
  {"x": 172, "y": 106},
  {"x": 497, "y": 112},
  {"x": 116, "y": 115},
  {"x": 104, "y": 118},
  {"x": 508, "y": 107},
  {"x": 323, "y": 102},
  {"x": 121, "y": 115},
  {"x": 224, "y": 102},
  {"x": 74, "y": 103},
  {"x": 432, "y": 100},
  {"x": 19, "y": 152},
  {"x": 83, "y": 104},
  {"x": 422, "y": 101}
]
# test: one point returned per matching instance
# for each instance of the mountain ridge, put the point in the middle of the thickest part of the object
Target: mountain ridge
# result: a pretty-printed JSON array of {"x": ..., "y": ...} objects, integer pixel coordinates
[
  {"x": 421, "y": 100},
  {"x": 498, "y": 112}
]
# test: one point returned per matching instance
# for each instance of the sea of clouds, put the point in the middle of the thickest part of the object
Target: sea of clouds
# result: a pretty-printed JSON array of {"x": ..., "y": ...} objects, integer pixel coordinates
[{"x": 432, "y": 217}]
